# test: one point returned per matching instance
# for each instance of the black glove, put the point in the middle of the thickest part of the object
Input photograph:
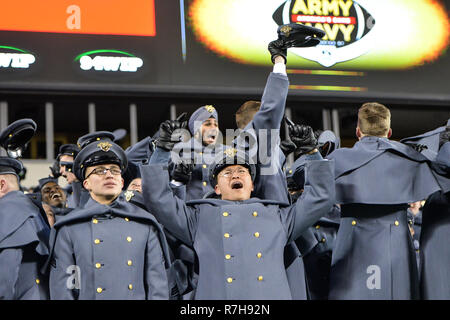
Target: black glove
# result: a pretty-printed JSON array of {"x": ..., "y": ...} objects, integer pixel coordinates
[
  {"x": 294, "y": 35},
  {"x": 278, "y": 48},
  {"x": 303, "y": 137},
  {"x": 182, "y": 172},
  {"x": 287, "y": 146},
  {"x": 170, "y": 132},
  {"x": 54, "y": 169}
]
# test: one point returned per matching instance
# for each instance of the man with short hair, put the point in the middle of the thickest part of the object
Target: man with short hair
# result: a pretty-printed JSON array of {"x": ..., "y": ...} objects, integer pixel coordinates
[
  {"x": 246, "y": 112},
  {"x": 53, "y": 196},
  {"x": 375, "y": 180},
  {"x": 115, "y": 249},
  {"x": 23, "y": 239}
]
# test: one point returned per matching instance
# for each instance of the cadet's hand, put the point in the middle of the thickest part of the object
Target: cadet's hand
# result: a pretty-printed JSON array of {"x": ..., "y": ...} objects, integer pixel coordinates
[
  {"x": 182, "y": 172},
  {"x": 287, "y": 146},
  {"x": 303, "y": 137},
  {"x": 278, "y": 48},
  {"x": 54, "y": 169},
  {"x": 170, "y": 132}
]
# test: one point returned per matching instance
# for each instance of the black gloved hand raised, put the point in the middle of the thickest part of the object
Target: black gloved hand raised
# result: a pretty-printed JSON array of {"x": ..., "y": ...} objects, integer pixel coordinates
[
  {"x": 170, "y": 132},
  {"x": 303, "y": 137},
  {"x": 54, "y": 169},
  {"x": 287, "y": 146},
  {"x": 278, "y": 48},
  {"x": 294, "y": 35},
  {"x": 182, "y": 172}
]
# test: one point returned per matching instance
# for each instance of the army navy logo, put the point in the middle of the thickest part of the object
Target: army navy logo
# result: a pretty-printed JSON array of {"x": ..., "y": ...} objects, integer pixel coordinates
[
  {"x": 210, "y": 108},
  {"x": 345, "y": 22},
  {"x": 128, "y": 195},
  {"x": 104, "y": 146}
]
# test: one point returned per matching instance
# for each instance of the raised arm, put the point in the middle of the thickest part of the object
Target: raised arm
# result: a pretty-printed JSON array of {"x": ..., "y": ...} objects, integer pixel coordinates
[
  {"x": 169, "y": 210},
  {"x": 316, "y": 200}
]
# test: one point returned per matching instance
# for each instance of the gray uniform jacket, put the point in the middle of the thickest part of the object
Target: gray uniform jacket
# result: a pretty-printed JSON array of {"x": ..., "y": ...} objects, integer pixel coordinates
[
  {"x": 78, "y": 197},
  {"x": 434, "y": 239},
  {"x": 108, "y": 252},
  {"x": 23, "y": 249},
  {"x": 374, "y": 257},
  {"x": 240, "y": 244},
  {"x": 270, "y": 182}
]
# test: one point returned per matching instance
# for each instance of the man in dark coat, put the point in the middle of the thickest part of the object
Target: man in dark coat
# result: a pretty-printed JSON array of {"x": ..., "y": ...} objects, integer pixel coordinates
[
  {"x": 23, "y": 239},
  {"x": 110, "y": 248},
  {"x": 375, "y": 180},
  {"x": 317, "y": 259},
  {"x": 434, "y": 249}
]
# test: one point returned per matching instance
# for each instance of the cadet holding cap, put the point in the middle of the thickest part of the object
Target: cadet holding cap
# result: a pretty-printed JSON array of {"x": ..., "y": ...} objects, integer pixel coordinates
[
  {"x": 116, "y": 249},
  {"x": 239, "y": 240},
  {"x": 23, "y": 239}
]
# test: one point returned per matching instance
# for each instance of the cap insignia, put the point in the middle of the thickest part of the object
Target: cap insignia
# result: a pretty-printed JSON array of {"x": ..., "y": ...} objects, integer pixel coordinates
[
  {"x": 105, "y": 146},
  {"x": 210, "y": 108},
  {"x": 128, "y": 195},
  {"x": 286, "y": 30}
]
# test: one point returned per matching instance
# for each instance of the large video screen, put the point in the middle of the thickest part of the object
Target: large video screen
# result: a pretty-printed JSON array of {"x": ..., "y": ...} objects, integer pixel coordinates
[{"x": 381, "y": 49}]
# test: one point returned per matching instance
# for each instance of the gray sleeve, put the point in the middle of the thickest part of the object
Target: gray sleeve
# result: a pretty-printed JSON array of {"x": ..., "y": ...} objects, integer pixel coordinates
[
  {"x": 268, "y": 118},
  {"x": 316, "y": 200},
  {"x": 169, "y": 210},
  {"x": 156, "y": 282},
  {"x": 10, "y": 260},
  {"x": 273, "y": 102},
  {"x": 64, "y": 274}
]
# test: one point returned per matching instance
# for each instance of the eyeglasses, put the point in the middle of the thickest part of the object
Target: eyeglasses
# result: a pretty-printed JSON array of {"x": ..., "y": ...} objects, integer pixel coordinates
[
  {"x": 229, "y": 173},
  {"x": 102, "y": 171}
]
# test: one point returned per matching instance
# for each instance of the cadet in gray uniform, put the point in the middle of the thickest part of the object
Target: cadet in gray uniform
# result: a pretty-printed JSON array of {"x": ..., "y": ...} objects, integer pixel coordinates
[
  {"x": 23, "y": 239},
  {"x": 434, "y": 249},
  {"x": 374, "y": 256},
  {"x": 239, "y": 240},
  {"x": 199, "y": 150},
  {"x": 110, "y": 248}
]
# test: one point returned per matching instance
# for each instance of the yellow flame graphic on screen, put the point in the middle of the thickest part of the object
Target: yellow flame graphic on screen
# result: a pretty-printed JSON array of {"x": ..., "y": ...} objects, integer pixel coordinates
[{"x": 407, "y": 33}]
